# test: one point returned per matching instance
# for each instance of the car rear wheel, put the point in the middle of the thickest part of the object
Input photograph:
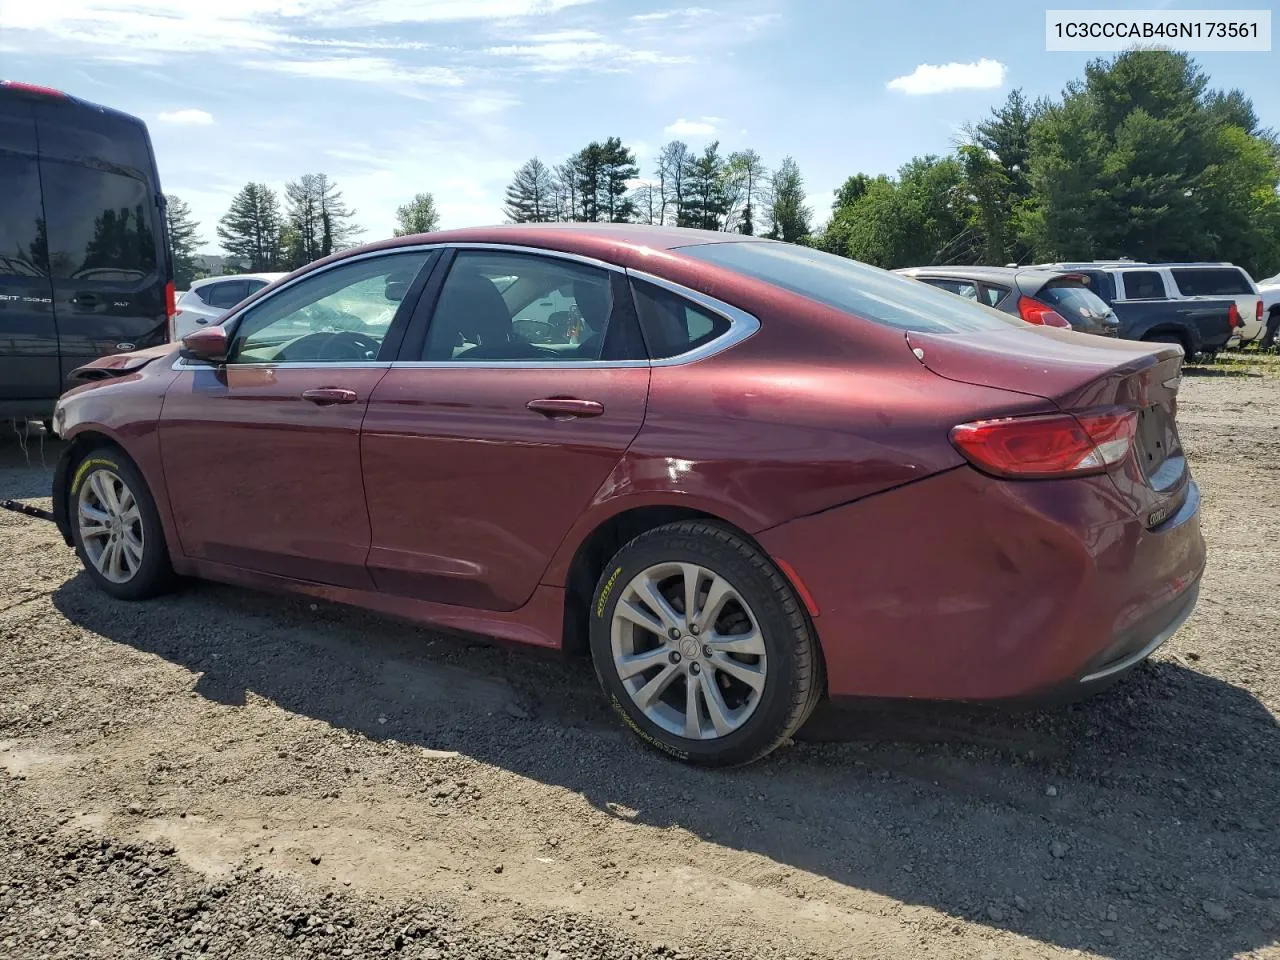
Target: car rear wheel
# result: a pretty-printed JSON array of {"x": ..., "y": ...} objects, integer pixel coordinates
[
  {"x": 702, "y": 646},
  {"x": 116, "y": 527}
]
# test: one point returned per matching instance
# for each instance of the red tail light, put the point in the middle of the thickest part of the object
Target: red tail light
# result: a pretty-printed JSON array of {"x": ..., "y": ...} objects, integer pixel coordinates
[
  {"x": 1257, "y": 311},
  {"x": 1033, "y": 311},
  {"x": 170, "y": 306},
  {"x": 1053, "y": 445},
  {"x": 31, "y": 88},
  {"x": 1233, "y": 316}
]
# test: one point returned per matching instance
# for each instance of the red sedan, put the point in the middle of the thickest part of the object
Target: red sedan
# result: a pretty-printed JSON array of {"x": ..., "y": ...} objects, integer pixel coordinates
[{"x": 743, "y": 474}]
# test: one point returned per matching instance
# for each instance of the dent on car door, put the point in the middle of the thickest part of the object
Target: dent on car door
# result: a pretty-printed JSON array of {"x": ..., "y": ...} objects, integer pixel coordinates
[
  {"x": 262, "y": 453},
  {"x": 494, "y": 430}
]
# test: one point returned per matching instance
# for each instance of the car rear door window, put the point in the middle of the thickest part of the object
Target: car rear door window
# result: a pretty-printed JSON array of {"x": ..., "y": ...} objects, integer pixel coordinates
[
  {"x": 993, "y": 295},
  {"x": 1211, "y": 281},
  {"x": 226, "y": 294},
  {"x": 672, "y": 325},
  {"x": 963, "y": 288},
  {"x": 499, "y": 306},
  {"x": 100, "y": 224},
  {"x": 1143, "y": 285},
  {"x": 855, "y": 288}
]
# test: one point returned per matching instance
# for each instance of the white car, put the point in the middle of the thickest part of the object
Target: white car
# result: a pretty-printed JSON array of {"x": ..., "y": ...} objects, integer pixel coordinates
[
  {"x": 210, "y": 298},
  {"x": 1269, "y": 289}
]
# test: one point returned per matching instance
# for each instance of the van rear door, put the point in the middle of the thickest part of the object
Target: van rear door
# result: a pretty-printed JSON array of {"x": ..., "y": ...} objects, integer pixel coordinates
[
  {"x": 29, "y": 372},
  {"x": 108, "y": 245}
]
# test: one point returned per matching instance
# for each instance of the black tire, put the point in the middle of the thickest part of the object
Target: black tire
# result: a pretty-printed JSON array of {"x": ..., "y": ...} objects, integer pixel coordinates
[
  {"x": 793, "y": 681},
  {"x": 154, "y": 574}
]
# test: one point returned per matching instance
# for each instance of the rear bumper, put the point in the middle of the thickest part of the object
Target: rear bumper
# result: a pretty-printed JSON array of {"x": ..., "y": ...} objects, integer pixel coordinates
[{"x": 964, "y": 587}]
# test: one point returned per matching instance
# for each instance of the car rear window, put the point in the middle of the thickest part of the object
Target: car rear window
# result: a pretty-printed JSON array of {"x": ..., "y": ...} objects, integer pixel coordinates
[
  {"x": 1073, "y": 300},
  {"x": 867, "y": 292},
  {"x": 1211, "y": 282}
]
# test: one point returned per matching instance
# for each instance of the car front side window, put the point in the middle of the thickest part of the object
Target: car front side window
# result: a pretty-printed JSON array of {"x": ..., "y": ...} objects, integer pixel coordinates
[{"x": 337, "y": 315}]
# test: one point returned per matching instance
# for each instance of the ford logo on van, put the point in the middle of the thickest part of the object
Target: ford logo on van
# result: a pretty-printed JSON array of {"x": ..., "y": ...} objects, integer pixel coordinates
[{"x": 125, "y": 347}]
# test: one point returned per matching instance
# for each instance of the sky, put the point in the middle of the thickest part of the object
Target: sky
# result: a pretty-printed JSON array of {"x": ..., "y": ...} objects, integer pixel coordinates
[{"x": 394, "y": 97}]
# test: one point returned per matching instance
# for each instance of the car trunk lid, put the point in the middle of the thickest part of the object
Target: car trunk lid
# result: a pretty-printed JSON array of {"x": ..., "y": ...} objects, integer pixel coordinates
[{"x": 1077, "y": 372}]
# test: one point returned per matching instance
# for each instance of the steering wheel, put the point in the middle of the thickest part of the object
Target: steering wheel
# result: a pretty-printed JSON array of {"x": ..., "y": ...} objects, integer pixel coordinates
[{"x": 342, "y": 343}]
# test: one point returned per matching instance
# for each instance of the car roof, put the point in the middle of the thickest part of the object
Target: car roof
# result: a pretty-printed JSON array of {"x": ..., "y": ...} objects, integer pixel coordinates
[
  {"x": 205, "y": 281},
  {"x": 604, "y": 241}
]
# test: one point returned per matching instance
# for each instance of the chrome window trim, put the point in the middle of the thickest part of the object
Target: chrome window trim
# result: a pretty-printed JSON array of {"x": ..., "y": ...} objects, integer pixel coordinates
[{"x": 741, "y": 324}]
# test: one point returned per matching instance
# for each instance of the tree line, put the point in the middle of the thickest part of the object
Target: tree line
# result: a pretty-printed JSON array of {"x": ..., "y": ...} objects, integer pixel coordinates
[
  {"x": 708, "y": 190},
  {"x": 1140, "y": 158}
]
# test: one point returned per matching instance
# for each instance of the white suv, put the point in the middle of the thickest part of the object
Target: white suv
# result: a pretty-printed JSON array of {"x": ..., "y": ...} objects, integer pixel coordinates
[
  {"x": 1196, "y": 281},
  {"x": 210, "y": 298}
]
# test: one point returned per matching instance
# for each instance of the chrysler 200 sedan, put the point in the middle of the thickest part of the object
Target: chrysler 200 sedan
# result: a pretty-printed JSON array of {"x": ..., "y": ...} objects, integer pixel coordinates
[{"x": 743, "y": 475}]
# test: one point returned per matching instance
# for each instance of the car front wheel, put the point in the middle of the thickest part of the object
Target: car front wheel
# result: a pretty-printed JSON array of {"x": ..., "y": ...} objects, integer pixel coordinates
[
  {"x": 116, "y": 528},
  {"x": 702, "y": 646}
]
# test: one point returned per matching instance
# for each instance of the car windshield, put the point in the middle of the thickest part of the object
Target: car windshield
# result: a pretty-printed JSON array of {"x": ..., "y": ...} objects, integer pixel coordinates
[{"x": 856, "y": 288}]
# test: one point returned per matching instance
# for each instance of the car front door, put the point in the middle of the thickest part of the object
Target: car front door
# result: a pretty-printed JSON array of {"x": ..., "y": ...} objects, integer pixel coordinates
[
  {"x": 496, "y": 427},
  {"x": 262, "y": 453}
]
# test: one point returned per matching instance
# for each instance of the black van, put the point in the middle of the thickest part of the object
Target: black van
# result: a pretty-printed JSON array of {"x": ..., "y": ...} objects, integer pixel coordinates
[{"x": 85, "y": 264}]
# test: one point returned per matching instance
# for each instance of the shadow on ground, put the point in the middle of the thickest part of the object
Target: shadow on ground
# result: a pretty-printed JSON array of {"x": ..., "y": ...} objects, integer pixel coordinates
[{"x": 1138, "y": 824}]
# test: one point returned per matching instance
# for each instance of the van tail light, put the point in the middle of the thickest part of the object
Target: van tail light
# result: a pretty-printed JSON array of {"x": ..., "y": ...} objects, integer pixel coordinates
[
  {"x": 1233, "y": 315},
  {"x": 1033, "y": 311},
  {"x": 1052, "y": 445},
  {"x": 35, "y": 88},
  {"x": 171, "y": 306}
]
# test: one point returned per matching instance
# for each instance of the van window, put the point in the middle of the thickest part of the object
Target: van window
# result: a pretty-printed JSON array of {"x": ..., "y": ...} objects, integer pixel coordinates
[
  {"x": 23, "y": 249},
  {"x": 1143, "y": 285},
  {"x": 100, "y": 224},
  {"x": 1212, "y": 282},
  {"x": 78, "y": 131}
]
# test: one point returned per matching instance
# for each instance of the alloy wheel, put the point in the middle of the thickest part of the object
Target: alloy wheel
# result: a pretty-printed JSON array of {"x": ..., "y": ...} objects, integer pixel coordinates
[
  {"x": 110, "y": 524},
  {"x": 689, "y": 650}
]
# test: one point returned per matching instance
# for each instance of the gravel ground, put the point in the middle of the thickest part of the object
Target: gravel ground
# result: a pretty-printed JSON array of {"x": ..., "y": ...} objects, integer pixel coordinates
[{"x": 226, "y": 773}]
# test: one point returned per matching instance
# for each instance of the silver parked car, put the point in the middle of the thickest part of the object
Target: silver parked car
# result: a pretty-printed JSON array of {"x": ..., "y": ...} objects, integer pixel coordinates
[{"x": 210, "y": 298}]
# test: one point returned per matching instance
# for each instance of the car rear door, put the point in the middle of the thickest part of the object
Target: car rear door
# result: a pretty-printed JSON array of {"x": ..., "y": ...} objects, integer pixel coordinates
[
  {"x": 108, "y": 247},
  {"x": 493, "y": 430},
  {"x": 262, "y": 453},
  {"x": 30, "y": 377}
]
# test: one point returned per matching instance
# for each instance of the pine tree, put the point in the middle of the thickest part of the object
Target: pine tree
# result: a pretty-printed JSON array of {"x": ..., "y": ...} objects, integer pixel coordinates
[
  {"x": 531, "y": 194},
  {"x": 705, "y": 202},
  {"x": 419, "y": 215},
  {"x": 320, "y": 221},
  {"x": 618, "y": 168},
  {"x": 250, "y": 229},
  {"x": 183, "y": 240}
]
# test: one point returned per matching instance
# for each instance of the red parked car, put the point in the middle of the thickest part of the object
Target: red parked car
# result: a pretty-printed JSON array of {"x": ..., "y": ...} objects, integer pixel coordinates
[{"x": 743, "y": 474}]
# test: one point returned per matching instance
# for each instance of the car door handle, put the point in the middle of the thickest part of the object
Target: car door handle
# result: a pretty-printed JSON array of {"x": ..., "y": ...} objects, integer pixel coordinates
[
  {"x": 564, "y": 408},
  {"x": 324, "y": 396},
  {"x": 84, "y": 300}
]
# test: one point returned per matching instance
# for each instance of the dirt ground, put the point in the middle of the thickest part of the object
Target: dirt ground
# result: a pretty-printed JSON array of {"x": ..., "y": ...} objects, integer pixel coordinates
[{"x": 226, "y": 773}]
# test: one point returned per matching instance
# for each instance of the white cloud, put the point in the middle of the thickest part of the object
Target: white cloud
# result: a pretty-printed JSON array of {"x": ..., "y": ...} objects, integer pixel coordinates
[
  {"x": 660, "y": 15},
  {"x": 577, "y": 50},
  {"x": 363, "y": 70},
  {"x": 694, "y": 128},
  {"x": 197, "y": 117},
  {"x": 928, "y": 78}
]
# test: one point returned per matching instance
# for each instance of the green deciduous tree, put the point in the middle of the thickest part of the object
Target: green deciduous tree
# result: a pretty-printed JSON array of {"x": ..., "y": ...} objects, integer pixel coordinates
[
  {"x": 419, "y": 215},
  {"x": 788, "y": 217},
  {"x": 183, "y": 240},
  {"x": 250, "y": 230}
]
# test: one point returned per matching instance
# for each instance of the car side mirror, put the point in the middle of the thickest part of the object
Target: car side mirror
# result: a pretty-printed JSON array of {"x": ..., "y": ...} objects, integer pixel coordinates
[{"x": 209, "y": 343}]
